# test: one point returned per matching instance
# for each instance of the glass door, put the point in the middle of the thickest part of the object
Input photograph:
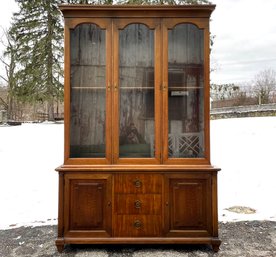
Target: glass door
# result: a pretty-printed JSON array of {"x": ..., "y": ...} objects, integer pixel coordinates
[
  {"x": 89, "y": 130},
  {"x": 136, "y": 112},
  {"x": 184, "y": 96}
]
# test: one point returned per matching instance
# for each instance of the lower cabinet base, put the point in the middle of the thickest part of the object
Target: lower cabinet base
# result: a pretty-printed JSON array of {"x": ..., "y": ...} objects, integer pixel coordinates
[
  {"x": 138, "y": 207},
  {"x": 213, "y": 241}
]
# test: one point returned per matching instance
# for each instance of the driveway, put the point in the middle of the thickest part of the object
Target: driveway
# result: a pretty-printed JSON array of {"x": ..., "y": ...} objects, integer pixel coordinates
[{"x": 254, "y": 238}]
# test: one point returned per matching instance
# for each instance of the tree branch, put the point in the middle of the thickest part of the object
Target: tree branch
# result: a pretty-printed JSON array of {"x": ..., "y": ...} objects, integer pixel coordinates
[{"x": 4, "y": 78}]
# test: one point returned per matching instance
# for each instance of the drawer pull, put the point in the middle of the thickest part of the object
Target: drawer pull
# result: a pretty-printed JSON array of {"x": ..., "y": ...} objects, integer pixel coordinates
[
  {"x": 137, "y": 183},
  {"x": 137, "y": 204},
  {"x": 137, "y": 224}
]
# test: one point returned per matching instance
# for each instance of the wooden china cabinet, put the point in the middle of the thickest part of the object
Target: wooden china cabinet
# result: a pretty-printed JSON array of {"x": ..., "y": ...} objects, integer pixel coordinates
[{"x": 137, "y": 150}]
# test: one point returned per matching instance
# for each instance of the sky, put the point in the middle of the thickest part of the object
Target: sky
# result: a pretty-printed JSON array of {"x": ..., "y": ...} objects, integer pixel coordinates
[{"x": 245, "y": 38}]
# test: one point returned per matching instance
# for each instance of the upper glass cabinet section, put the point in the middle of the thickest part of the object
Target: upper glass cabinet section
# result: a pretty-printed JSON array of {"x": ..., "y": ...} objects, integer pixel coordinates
[
  {"x": 185, "y": 92},
  {"x": 136, "y": 83},
  {"x": 87, "y": 91}
]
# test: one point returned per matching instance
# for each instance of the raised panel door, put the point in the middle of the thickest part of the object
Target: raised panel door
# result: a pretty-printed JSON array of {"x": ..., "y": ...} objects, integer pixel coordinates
[
  {"x": 88, "y": 202},
  {"x": 188, "y": 205},
  {"x": 86, "y": 205}
]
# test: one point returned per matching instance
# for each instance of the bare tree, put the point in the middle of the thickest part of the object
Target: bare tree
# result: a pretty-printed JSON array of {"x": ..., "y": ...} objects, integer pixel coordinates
[
  {"x": 8, "y": 62},
  {"x": 264, "y": 84},
  {"x": 224, "y": 91}
]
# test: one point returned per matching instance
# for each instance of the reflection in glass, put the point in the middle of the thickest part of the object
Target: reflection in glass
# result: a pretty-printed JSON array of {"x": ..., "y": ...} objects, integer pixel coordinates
[
  {"x": 186, "y": 94},
  {"x": 87, "y": 107},
  {"x": 136, "y": 55}
]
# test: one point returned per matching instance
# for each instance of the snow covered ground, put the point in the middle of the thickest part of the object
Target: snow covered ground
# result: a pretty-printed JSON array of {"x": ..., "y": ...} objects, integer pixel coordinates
[
  {"x": 29, "y": 155},
  {"x": 245, "y": 150}
]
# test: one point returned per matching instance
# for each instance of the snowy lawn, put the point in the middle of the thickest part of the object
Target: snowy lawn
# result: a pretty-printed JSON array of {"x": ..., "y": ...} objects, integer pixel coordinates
[
  {"x": 245, "y": 150},
  {"x": 29, "y": 155}
]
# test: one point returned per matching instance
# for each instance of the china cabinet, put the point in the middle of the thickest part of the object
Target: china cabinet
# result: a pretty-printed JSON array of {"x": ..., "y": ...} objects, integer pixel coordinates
[{"x": 137, "y": 150}]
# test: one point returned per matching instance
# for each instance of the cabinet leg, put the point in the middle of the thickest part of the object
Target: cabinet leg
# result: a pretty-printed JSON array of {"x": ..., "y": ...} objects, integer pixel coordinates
[
  {"x": 215, "y": 244},
  {"x": 60, "y": 245}
]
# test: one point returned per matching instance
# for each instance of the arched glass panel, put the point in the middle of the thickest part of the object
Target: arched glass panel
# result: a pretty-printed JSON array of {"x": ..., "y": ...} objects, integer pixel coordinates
[
  {"x": 136, "y": 71},
  {"x": 88, "y": 91},
  {"x": 186, "y": 92}
]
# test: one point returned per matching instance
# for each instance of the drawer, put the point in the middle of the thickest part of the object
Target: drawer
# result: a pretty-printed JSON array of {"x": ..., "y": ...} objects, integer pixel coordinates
[
  {"x": 138, "y": 183},
  {"x": 138, "y": 203},
  {"x": 137, "y": 226}
]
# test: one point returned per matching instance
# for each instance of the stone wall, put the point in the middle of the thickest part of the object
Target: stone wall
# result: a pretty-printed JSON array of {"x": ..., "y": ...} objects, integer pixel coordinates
[{"x": 244, "y": 111}]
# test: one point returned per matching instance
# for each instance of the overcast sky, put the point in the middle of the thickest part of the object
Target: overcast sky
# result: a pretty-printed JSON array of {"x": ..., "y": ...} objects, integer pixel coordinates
[
  {"x": 245, "y": 42},
  {"x": 245, "y": 37}
]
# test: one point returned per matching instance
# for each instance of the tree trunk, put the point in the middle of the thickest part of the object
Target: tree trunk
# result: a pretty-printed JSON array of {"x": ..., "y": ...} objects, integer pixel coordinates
[
  {"x": 51, "y": 109},
  {"x": 50, "y": 89}
]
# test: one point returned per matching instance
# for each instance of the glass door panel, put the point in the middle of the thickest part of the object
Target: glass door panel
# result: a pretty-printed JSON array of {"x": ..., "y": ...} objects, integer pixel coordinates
[
  {"x": 136, "y": 95},
  {"x": 88, "y": 92},
  {"x": 185, "y": 92}
]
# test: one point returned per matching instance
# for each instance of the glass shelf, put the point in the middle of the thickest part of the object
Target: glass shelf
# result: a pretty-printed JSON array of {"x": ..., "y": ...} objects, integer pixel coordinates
[
  {"x": 138, "y": 88},
  {"x": 183, "y": 88},
  {"x": 95, "y": 88},
  {"x": 87, "y": 65}
]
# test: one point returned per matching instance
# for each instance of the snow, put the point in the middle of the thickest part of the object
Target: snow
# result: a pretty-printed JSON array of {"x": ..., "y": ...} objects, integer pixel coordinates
[
  {"x": 244, "y": 148},
  {"x": 29, "y": 155}
]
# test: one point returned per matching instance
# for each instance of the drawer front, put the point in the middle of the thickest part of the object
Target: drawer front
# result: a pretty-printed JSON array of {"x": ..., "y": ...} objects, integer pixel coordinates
[
  {"x": 138, "y": 183},
  {"x": 138, "y": 203},
  {"x": 138, "y": 226}
]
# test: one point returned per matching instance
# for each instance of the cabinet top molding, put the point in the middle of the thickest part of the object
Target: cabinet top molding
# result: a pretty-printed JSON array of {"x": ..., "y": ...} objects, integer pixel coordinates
[{"x": 76, "y": 10}]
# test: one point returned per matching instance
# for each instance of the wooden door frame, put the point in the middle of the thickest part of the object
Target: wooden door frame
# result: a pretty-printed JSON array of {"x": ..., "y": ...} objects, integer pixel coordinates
[
  {"x": 106, "y": 25},
  {"x": 119, "y": 24},
  {"x": 202, "y": 24}
]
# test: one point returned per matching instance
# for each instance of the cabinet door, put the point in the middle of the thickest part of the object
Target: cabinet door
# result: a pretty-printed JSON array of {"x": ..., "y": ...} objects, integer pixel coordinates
[
  {"x": 87, "y": 81},
  {"x": 188, "y": 205},
  {"x": 185, "y": 91},
  {"x": 88, "y": 204},
  {"x": 136, "y": 91}
]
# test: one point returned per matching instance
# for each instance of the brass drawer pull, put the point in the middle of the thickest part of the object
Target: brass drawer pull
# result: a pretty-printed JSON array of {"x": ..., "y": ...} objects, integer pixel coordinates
[
  {"x": 137, "y": 224},
  {"x": 137, "y": 183},
  {"x": 137, "y": 204}
]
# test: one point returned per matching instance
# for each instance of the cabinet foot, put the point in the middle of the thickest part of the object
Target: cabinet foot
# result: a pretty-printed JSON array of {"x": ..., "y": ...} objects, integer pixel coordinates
[
  {"x": 216, "y": 244},
  {"x": 60, "y": 245}
]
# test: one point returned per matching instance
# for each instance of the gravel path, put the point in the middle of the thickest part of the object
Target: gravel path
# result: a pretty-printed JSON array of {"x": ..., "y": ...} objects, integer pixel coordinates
[{"x": 254, "y": 238}]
